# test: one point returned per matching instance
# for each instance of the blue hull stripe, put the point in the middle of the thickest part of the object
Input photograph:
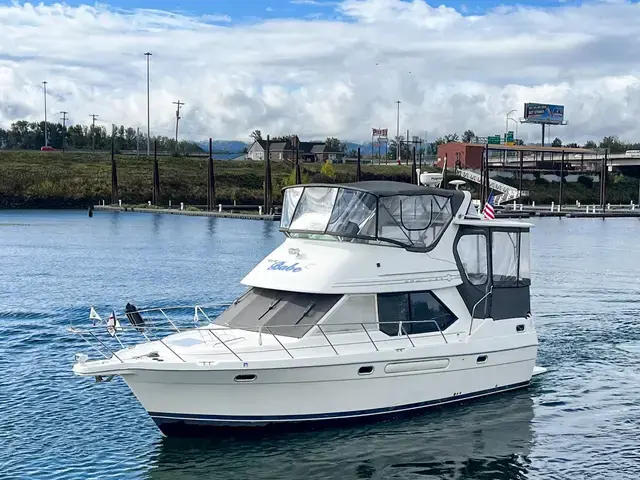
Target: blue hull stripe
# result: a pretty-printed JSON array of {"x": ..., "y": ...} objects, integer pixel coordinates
[{"x": 160, "y": 417}]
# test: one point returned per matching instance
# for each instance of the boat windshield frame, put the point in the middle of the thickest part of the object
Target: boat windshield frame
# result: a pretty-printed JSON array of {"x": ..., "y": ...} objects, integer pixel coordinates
[{"x": 389, "y": 204}]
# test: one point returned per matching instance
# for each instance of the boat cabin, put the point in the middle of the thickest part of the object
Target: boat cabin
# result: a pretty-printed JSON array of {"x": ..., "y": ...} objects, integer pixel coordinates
[{"x": 488, "y": 261}]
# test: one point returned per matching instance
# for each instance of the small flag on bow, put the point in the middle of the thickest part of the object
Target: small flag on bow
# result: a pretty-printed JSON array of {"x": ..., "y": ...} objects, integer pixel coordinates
[
  {"x": 93, "y": 315},
  {"x": 113, "y": 324},
  {"x": 488, "y": 212}
]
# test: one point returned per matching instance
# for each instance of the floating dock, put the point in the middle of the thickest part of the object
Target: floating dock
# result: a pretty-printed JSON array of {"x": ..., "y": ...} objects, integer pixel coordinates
[
  {"x": 567, "y": 212},
  {"x": 193, "y": 213}
]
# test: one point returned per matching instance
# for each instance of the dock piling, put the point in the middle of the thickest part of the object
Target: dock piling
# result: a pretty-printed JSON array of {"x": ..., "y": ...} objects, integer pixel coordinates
[
  {"x": 156, "y": 176},
  {"x": 211, "y": 185}
]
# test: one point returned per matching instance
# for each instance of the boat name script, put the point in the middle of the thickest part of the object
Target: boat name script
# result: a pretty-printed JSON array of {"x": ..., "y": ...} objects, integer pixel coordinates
[{"x": 283, "y": 267}]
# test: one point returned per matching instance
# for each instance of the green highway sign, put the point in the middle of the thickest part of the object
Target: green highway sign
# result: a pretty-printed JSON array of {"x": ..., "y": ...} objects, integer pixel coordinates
[
  {"x": 509, "y": 136},
  {"x": 493, "y": 140}
]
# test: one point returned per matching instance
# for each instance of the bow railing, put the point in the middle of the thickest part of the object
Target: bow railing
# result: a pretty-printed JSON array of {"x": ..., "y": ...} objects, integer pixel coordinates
[{"x": 222, "y": 340}]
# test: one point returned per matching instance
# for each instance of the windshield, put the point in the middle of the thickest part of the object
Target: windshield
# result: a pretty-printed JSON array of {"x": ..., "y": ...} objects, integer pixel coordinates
[
  {"x": 278, "y": 312},
  {"x": 339, "y": 213}
]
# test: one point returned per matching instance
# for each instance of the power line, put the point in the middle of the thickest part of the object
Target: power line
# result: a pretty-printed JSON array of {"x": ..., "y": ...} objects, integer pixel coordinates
[{"x": 64, "y": 118}]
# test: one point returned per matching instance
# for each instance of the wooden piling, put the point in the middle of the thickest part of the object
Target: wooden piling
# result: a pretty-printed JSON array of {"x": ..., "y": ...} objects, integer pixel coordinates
[
  {"x": 156, "y": 175},
  {"x": 114, "y": 172},
  {"x": 268, "y": 195},
  {"x": 414, "y": 174},
  {"x": 211, "y": 185}
]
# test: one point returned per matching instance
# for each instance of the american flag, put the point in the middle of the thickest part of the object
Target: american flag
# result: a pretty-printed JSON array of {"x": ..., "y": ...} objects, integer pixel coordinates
[
  {"x": 487, "y": 211},
  {"x": 113, "y": 324}
]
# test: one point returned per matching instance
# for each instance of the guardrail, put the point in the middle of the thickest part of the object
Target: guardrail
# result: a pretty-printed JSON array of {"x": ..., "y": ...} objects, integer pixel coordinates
[{"x": 151, "y": 330}]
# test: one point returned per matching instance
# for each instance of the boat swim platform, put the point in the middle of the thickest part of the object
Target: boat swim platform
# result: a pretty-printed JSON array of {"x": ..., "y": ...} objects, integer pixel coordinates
[{"x": 193, "y": 213}]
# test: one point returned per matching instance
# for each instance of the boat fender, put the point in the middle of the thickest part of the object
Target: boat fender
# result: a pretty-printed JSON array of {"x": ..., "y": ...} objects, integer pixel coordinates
[{"x": 134, "y": 317}]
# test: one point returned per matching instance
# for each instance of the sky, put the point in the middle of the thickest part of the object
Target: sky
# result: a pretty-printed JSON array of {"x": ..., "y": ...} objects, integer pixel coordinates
[{"x": 325, "y": 68}]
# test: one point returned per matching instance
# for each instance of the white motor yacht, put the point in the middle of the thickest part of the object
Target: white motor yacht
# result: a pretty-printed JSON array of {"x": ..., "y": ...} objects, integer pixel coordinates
[{"x": 384, "y": 298}]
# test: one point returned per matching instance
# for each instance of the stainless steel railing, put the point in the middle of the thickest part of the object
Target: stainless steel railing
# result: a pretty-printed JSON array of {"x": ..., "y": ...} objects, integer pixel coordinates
[{"x": 152, "y": 331}]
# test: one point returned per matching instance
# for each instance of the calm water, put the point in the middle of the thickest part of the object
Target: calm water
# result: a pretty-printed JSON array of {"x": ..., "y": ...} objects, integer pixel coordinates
[{"x": 581, "y": 420}]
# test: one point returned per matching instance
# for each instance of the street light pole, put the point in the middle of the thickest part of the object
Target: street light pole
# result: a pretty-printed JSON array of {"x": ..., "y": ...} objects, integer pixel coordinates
[
  {"x": 398, "y": 132},
  {"x": 46, "y": 139},
  {"x": 148, "y": 55}
]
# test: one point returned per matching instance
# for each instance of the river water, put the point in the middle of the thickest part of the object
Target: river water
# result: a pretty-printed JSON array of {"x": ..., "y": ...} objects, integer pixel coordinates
[{"x": 580, "y": 420}]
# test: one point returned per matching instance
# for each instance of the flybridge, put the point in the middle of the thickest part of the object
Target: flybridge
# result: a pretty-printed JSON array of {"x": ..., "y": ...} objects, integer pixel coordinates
[{"x": 392, "y": 213}]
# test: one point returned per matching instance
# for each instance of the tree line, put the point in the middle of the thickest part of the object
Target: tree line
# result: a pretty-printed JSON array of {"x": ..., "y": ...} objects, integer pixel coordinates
[{"x": 23, "y": 135}]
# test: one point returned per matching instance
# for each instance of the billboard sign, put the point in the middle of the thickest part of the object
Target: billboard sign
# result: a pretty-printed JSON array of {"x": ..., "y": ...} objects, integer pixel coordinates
[
  {"x": 379, "y": 132},
  {"x": 543, "y": 113}
]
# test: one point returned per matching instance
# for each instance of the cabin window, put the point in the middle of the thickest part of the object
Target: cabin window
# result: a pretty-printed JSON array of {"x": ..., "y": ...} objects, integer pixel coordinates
[
  {"x": 355, "y": 313},
  {"x": 314, "y": 209},
  {"x": 472, "y": 250},
  {"x": 413, "y": 220},
  {"x": 505, "y": 255},
  {"x": 354, "y": 214},
  {"x": 291, "y": 200},
  {"x": 280, "y": 312},
  {"x": 392, "y": 309},
  {"x": 524, "y": 269},
  {"x": 419, "y": 312}
]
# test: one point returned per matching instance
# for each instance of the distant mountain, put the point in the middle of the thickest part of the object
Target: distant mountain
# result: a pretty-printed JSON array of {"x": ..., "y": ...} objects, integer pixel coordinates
[
  {"x": 231, "y": 146},
  {"x": 235, "y": 146}
]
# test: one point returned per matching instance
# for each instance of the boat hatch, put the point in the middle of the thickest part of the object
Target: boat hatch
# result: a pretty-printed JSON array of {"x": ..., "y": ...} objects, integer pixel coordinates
[
  {"x": 279, "y": 312},
  {"x": 408, "y": 216},
  {"x": 494, "y": 264}
]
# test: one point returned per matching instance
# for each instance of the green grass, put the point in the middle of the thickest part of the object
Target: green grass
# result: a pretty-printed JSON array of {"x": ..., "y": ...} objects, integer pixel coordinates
[
  {"x": 77, "y": 180},
  {"x": 66, "y": 180}
]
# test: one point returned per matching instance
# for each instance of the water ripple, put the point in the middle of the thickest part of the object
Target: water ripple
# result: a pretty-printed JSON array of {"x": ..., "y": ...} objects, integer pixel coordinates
[{"x": 580, "y": 420}]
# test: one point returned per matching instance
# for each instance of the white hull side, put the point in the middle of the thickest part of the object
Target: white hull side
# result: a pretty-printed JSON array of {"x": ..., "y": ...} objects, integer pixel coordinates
[{"x": 323, "y": 393}]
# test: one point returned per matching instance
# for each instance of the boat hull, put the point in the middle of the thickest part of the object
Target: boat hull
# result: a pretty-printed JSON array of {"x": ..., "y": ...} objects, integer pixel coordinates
[
  {"x": 208, "y": 402},
  {"x": 197, "y": 425}
]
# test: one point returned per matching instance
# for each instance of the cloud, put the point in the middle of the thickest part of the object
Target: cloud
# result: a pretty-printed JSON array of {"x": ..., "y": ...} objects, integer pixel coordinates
[
  {"x": 331, "y": 77},
  {"x": 317, "y": 3}
]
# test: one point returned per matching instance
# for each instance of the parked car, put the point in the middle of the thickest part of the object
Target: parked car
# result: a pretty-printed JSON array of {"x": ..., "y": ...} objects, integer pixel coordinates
[{"x": 47, "y": 148}]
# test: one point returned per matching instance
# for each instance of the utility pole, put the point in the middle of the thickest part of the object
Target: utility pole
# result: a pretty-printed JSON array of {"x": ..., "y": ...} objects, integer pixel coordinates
[
  {"x": 178, "y": 103},
  {"x": 398, "y": 133},
  {"x": 64, "y": 124},
  {"x": 138, "y": 142},
  {"x": 148, "y": 55},
  {"x": 46, "y": 139},
  {"x": 93, "y": 131}
]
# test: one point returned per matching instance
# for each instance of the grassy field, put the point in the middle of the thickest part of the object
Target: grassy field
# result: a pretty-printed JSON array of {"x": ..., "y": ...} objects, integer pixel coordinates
[
  {"x": 33, "y": 179},
  {"x": 65, "y": 180}
]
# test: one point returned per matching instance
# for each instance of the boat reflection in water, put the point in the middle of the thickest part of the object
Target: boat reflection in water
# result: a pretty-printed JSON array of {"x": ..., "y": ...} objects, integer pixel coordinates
[{"x": 484, "y": 439}]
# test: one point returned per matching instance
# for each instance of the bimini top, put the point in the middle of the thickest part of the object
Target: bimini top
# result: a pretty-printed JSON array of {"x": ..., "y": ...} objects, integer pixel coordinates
[
  {"x": 383, "y": 188},
  {"x": 395, "y": 213}
]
